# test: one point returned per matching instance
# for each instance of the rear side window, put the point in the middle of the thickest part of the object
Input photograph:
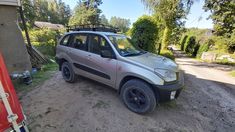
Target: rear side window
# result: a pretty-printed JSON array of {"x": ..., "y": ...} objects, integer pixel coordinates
[
  {"x": 79, "y": 41},
  {"x": 65, "y": 41}
]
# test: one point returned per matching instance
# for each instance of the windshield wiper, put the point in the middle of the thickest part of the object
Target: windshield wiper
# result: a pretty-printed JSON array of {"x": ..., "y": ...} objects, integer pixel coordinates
[
  {"x": 143, "y": 52},
  {"x": 129, "y": 54},
  {"x": 133, "y": 54}
]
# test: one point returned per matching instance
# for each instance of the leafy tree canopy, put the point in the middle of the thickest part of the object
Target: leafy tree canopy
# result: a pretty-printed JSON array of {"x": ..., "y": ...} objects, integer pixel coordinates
[
  {"x": 223, "y": 15},
  {"x": 104, "y": 20},
  {"x": 29, "y": 12},
  {"x": 46, "y": 10},
  {"x": 170, "y": 13},
  {"x": 86, "y": 12},
  {"x": 121, "y": 23}
]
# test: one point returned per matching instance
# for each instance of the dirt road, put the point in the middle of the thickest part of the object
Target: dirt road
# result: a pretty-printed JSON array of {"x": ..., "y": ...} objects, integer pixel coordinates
[{"x": 206, "y": 104}]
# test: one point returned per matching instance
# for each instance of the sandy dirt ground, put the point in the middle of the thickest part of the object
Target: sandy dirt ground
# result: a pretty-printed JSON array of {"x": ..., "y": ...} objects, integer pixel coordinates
[{"x": 206, "y": 104}]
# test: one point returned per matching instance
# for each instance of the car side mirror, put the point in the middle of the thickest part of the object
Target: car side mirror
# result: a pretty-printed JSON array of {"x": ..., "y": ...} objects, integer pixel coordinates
[{"x": 106, "y": 54}]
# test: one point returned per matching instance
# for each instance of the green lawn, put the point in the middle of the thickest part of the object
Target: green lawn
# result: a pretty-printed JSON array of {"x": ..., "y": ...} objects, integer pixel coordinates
[
  {"x": 232, "y": 73},
  {"x": 225, "y": 62}
]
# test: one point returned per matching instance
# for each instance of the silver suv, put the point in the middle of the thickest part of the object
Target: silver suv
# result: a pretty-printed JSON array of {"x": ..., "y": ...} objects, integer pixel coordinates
[{"x": 142, "y": 79}]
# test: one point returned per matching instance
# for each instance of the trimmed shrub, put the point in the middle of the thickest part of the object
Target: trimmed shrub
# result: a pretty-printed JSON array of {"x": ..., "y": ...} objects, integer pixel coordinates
[
  {"x": 145, "y": 34},
  {"x": 204, "y": 47},
  {"x": 182, "y": 42},
  {"x": 195, "y": 50},
  {"x": 190, "y": 45}
]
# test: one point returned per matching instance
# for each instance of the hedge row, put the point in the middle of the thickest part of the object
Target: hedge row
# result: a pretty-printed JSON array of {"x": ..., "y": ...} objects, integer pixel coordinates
[
  {"x": 192, "y": 47},
  {"x": 204, "y": 47},
  {"x": 182, "y": 41}
]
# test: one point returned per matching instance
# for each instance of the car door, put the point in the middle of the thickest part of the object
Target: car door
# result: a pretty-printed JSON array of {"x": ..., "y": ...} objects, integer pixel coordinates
[
  {"x": 103, "y": 69},
  {"x": 79, "y": 53}
]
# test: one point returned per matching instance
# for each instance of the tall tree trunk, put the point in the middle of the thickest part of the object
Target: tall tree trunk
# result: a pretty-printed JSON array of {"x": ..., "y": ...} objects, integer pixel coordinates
[{"x": 166, "y": 37}]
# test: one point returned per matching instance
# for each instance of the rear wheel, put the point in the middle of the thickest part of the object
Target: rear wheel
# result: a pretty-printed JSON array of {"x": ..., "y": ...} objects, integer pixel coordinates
[
  {"x": 68, "y": 73},
  {"x": 138, "y": 96}
]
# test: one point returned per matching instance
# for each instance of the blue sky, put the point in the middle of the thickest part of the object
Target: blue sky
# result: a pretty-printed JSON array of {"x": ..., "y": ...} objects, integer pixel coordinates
[{"x": 133, "y": 9}]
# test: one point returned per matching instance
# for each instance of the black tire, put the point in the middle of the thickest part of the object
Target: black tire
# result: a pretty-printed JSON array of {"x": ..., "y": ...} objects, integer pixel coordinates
[
  {"x": 138, "y": 96},
  {"x": 68, "y": 73}
]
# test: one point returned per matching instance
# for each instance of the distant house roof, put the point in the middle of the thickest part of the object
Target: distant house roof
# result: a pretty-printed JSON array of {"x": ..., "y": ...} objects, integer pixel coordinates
[{"x": 49, "y": 25}]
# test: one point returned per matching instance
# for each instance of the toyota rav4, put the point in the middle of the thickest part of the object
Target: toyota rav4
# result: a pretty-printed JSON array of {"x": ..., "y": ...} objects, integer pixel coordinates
[{"x": 141, "y": 78}]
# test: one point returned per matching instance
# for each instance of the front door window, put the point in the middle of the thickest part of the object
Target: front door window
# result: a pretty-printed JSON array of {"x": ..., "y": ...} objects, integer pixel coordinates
[{"x": 98, "y": 43}]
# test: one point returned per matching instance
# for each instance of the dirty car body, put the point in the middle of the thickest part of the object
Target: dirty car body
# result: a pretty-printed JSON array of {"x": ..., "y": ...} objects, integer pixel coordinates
[{"x": 114, "y": 60}]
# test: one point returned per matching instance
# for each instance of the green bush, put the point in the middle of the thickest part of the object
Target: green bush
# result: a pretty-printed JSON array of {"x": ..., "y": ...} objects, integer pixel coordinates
[
  {"x": 205, "y": 47},
  {"x": 145, "y": 34},
  {"x": 195, "y": 50},
  {"x": 231, "y": 46},
  {"x": 190, "y": 45},
  {"x": 168, "y": 54},
  {"x": 44, "y": 40},
  {"x": 224, "y": 44},
  {"x": 182, "y": 42},
  {"x": 233, "y": 73},
  {"x": 221, "y": 43}
]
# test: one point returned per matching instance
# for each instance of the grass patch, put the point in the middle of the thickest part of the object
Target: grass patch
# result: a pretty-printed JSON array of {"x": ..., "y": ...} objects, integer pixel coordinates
[
  {"x": 225, "y": 62},
  {"x": 86, "y": 92},
  {"x": 101, "y": 104},
  {"x": 39, "y": 77},
  {"x": 232, "y": 73},
  {"x": 168, "y": 54}
]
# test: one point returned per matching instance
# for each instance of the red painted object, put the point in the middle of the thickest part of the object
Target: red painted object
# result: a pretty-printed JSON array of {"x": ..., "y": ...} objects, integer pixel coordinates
[{"x": 13, "y": 99}]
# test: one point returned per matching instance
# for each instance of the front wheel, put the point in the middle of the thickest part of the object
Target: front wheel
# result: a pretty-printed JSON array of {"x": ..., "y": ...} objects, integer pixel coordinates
[
  {"x": 138, "y": 96},
  {"x": 68, "y": 73}
]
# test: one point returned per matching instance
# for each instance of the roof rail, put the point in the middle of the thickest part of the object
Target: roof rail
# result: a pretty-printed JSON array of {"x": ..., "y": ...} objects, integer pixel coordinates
[{"x": 93, "y": 27}]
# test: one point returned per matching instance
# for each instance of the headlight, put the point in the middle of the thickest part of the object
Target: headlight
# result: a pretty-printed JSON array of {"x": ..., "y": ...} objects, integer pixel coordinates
[{"x": 167, "y": 75}]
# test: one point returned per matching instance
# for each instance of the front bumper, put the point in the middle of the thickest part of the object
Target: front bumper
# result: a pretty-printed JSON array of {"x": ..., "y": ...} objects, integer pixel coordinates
[{"x": 170, "y": 91}]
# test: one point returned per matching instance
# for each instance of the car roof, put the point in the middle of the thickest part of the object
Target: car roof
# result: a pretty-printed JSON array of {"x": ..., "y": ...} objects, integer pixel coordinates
[{"x": 94, "y": 32}]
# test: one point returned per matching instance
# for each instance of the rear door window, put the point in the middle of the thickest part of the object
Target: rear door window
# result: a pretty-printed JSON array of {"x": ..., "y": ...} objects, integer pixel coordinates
[
  {"x": 65, "y": 41},
  {"x": 79, "y": 41}
]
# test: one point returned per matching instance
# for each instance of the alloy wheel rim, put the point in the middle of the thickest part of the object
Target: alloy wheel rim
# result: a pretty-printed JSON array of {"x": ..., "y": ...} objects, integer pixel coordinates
[
  {"x": 136, "y": 99},
  {"x": 66, "y": 72}
]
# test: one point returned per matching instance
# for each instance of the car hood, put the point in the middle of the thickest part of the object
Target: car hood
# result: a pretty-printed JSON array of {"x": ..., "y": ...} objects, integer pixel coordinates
[{"x": 152, "y": 61}]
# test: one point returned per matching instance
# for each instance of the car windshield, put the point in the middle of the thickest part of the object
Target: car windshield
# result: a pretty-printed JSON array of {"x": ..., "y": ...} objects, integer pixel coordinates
[{"x": 124, "y": 46}]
